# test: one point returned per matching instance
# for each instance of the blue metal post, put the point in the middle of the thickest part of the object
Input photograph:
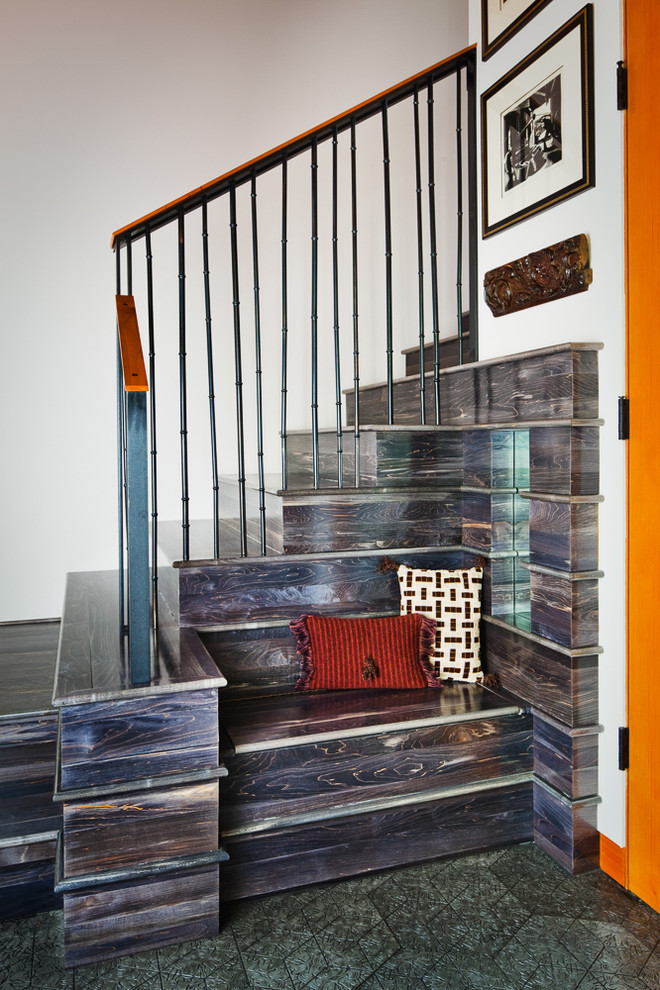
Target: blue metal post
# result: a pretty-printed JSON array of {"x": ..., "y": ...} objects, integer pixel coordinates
[{"x": 137, "y": 524}]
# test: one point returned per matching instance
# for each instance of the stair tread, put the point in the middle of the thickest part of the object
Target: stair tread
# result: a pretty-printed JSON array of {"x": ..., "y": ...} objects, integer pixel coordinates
[
  {"x": 349, "y": 431},
  {"x": 273, "y": 488},
  {"x": 91, "y": 665},
  {"x": 295, "y": 719}
]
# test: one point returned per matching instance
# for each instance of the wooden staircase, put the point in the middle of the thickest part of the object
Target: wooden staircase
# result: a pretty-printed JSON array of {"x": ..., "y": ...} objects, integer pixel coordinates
[{"x": 311, "y": 787}]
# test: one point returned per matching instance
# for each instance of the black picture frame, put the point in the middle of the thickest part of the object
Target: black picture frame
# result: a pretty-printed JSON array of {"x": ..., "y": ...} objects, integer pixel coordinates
[
  {"x": 498, "y": 24},
  {"x": 537, "y": 128}
]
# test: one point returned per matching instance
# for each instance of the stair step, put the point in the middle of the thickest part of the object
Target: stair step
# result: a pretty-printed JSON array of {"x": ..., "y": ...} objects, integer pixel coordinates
[
  {"x": 448, "y": 351},
  {"x": 364, "y": 746},
  {"x": 369, "y": 837},
  {"x": 237, "y": 593},
  {"x": 303, "y": 520},
  {"x": 556, "y": 383},
  {"x": 389, "y": 456}
]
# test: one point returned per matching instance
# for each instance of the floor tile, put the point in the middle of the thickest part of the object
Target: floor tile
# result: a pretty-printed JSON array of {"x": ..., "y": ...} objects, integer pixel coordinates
[{"x": 509, "y": 919}]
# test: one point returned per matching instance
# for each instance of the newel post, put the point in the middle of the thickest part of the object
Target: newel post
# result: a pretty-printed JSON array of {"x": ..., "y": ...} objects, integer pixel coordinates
[{"x": 138, "y": 577}]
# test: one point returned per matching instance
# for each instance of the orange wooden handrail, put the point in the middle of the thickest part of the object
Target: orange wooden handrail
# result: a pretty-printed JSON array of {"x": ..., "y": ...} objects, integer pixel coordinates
[
  {"x": 135, "y": 373},
  {"x": 263, "y": 163}
]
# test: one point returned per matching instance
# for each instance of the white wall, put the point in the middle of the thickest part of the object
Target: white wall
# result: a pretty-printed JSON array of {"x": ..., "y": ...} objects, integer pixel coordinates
[
  {"x": 109, "y": 110},
  {"x": 596, "y": 315}
]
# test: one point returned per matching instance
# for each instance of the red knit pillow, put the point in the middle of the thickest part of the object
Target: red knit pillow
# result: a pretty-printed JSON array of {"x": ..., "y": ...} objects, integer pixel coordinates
[{"x": 390, "y": 652}]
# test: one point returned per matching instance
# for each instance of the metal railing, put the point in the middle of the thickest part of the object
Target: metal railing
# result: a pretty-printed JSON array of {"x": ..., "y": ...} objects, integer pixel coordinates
[{"x": 304, "y": 221}]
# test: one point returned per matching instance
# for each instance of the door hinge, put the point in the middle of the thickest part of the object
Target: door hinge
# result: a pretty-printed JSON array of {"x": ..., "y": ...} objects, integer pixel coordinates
[
  {"x": 624, "y": 417},
  {"x": 624, "y": 747},
  {"x": 621, "y": 86}
]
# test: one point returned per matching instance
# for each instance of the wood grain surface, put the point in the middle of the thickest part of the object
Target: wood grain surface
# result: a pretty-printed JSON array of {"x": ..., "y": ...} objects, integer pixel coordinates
[
  {"x": 361, "y": 843},
  {"x": 118, "y": 741},
  {"x": 566, "y": 830},
  {"x": 137, "y": 828},
  {"x": 564, "y": 687},
  {"x": 307, "y": 779},
  {"x": 140, "y": 915}
]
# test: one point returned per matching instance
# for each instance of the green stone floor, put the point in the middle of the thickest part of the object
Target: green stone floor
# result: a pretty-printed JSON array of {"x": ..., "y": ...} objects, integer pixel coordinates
[{"x": 504, "y": 920}]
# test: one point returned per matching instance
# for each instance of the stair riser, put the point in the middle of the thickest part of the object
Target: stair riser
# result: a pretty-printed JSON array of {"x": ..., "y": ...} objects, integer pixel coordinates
[
  {"x": 448, "y": 351},
  {"x": 400, "y": 457},
  {"x": 349, "y": 523},
  {"x": 274, "y": 589},
  {"x": 531, "y": 387},
  {"x": 356, "y": 844},
  {"x": 300, "y": 779}
]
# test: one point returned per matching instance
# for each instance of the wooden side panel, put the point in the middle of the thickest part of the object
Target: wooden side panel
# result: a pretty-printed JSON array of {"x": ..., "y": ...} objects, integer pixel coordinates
[
  {"x": 303, "y": 779},
  {"x": 566, "y": 688},
  {"x": 643, "y": 288},
  {"x": 140, "y": 915},
  {"x": 293, "y": 857},
  {"x": 563, "y": 535},
  {"x": 118, "y": 741},
  {"x": 567, "y": 759},
  {"x": 114, "y": 833},
  {"x": 564, "y": 460},
  {"x": 566, "y": 830},
  {"x": 563, "y": 610},
  {"x": 419, "y": 458}
]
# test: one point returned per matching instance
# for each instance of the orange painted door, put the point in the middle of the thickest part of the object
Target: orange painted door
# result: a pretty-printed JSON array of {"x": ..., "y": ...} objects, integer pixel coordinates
[{"x": 643, "y": 344}]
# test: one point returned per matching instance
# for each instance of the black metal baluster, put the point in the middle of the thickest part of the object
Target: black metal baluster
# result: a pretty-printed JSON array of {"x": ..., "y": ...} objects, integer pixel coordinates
[
  {"x": 153, "y": 451},
  {"x": 121, "y": 453},
  {"x": 459, "y": 215},
  {"x": 211, "y": 380},
  {"x": 335, "y": 293},
  {"x": 356, "y": 337},
  {"x": 434, "y": 255},
  {"x": 183, "y": 391},
  {"x": 129, "y": 267},
  {"x": 314, "y": 316},
  {"x": 388, "y": 264},
  {"x": 258, "y": 370},
  {"x": 473, "y": 233},
  {"x": 420, "y": 258},
  {"x": 285, "y": 320},
  {"x": 238, "y": 364}
]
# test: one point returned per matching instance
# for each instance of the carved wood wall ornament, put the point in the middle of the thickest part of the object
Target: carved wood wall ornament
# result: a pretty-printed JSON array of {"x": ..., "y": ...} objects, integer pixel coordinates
[{"x": 552, "y": 273}]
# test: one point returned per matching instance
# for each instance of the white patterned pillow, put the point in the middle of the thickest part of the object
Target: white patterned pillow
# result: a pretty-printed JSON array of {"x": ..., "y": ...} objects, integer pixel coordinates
[{"x": 453, "y": 599}]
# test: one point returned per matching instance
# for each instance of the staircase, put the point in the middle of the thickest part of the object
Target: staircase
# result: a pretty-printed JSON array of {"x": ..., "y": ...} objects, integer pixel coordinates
[{"x": 188, "y": 769}]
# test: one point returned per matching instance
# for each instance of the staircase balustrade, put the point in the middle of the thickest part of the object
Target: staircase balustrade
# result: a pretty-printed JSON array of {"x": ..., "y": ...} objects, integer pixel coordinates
[{"x": 324, "y": 182}]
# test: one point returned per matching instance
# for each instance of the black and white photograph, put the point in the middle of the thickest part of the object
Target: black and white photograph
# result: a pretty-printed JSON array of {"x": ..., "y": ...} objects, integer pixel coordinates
[
  {"x": 532, "y": 134},
  {"x": 537, "y": 128}
]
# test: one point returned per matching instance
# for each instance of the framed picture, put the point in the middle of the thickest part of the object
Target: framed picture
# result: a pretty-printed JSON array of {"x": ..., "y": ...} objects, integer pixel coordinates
[
  {"x": 537, "y": 128},
  {"x": 500, "y": 19}
]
